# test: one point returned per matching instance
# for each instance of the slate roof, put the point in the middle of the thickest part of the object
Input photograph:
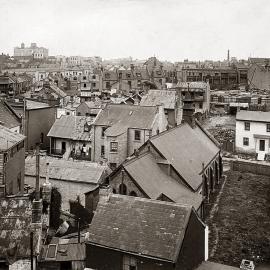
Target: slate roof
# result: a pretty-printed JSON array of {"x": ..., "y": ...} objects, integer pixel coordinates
[
  {"x": 128, "y": 116},
  {"x": 9, "y": 138},
  {"x": 8, "y": 118},
  {"x": 186, "y": 149},
  {"x": 155, "y": 182},
  {"x": 215, "y": 266},
  {"x": 140, "y": 226},
  {"x": 32, "y": 105},
  {"x": 256, "y": 116},
  {"x": 71, "y": 127},
  {"x": 57, "y": 90},
  {"x": 66, "y": 170},
  {"x": 15, "y": 225},
  {"x": 157, "y": 97}
]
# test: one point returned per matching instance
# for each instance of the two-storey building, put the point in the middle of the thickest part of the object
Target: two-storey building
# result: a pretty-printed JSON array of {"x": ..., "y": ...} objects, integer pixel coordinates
[{"x": 253, "y": 133}]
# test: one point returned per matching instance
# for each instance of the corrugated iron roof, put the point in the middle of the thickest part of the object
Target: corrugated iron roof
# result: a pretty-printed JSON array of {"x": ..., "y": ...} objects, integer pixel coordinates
[
  {"x": 71, "y": 127},
  {"x": 67, "y": 170},
  {"x": 9, "y": 138}
]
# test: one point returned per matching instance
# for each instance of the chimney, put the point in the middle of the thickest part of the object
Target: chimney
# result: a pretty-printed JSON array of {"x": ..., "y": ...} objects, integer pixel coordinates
[{"x": 37, "y": 203}]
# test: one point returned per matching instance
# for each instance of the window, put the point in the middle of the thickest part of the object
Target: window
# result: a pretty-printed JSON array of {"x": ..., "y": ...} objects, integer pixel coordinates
[
  {"x": 114, "y": 146},
  {"x": 129, "y": 84},
  {"x": 84, "y": 85},
  {"x": 247, "y": 125},
  {"x": 133, "y": 193},
  {"x": 108, "y": 85},
  {"x": 129, "y": 263},
  {"x": 84, "y": 77},
  {"x": 68, "y": 113},
  {"x": 200, "y": 105},
  {"x": 94, "y": 84},
  {"x": 137, "y": 135},
  {"x": 102, "y": 151},
  {"x": 41, "y": 137},
  {"x": 19, "y": 181},
  {"x": 268, "y": 127},
  {"x": 246, "y": 141},
  {"x": 128, "y": 75},
  {"x": 113, "y": 166},
  {"x": 120, "y": 75},
  {"x": 103, "y": 132},
  {"x": 94, "y": 77},
  {"x": 123, "y": 189},
  {"x": 78, "y": 113}
]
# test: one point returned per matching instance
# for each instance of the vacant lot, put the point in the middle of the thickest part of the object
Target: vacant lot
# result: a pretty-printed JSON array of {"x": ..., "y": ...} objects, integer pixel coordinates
[{"x": 239, "y": 220}]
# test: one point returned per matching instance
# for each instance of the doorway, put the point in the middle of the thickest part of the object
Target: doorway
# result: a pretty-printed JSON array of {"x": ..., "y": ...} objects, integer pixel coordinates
[
  {"x": 63, "y": 147},
  {"x": 262, "y": 145}
]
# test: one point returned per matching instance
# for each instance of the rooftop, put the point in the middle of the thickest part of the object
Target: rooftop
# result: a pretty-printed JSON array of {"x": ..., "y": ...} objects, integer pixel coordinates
[
  {"x": 157, "y": 97},
  {"x": 71, "y": 127},
  {"x": 127, "y": 116},
  {"x": 134, "y": 225},
  {"x": 192, "y": 85},
  {"x": 155, "y": 182},
  {"x": 9, "y": 138},
  {"x": 66, "y": 170},
  {"x": 186, "y": 149},
  {"x": 8, "y": 118},
  {"x": 256, "y": 116},
  {"x": 15, "y": 226}
]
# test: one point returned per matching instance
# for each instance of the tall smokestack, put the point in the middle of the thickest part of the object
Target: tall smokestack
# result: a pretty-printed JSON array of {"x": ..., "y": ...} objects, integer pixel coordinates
[
  {"x": 228, "y": 56},
  {"x": 37, "y": 196}
]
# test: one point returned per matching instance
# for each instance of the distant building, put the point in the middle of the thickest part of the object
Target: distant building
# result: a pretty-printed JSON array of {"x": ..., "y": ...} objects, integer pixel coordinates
[
  {"x": 32, "y": 51},
  {"x": 89, "y": 109},
  {"x": 195, "y": 98},
  {"x": 253, "y": 133},
  {"x": 12, "y": 162},
  {"x": 136, "y": 233},
  {"x": 121, "y": 129},
  {"x": 171, "y": 101}
]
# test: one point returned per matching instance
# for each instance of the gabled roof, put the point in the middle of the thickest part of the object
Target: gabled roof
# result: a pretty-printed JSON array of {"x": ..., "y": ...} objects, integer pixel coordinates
[
  {"x": 157, "y": 97},
  {"x": 186, "y": 149},
  {"x": 154, "y": 181},
  {"x": 255, "y": 116},
  {"x": 128, "y": 116},
  {"x": 71, "y": 127},
  {"x": 8, "y": 117},
  {"x": 140, "y": 226},
  {"x": 15, "y": 226},
  {"x": 66, "y": 170},
  {"x": 9, "y": 138}
]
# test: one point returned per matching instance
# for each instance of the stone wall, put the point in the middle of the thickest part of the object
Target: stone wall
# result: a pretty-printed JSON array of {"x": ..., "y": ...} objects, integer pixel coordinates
[{"x": 250, "y": 166}]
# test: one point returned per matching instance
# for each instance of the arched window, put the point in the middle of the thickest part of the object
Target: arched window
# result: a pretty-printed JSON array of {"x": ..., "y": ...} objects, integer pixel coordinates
[
  {"x": 133, "y": 193},
  {"x": 123, "y": 189}
]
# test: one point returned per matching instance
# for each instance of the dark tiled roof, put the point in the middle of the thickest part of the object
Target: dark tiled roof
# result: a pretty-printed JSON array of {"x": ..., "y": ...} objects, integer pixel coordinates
[
  {"x": 7, "y": 117},
  {"x": 215, "y": 266},
  {"x": 9, "y": 138},
  {"x": 140, "y": 226},
  {"x": 128, "y": 116},
  {"x": 156, "y": 97},
  {"x": 71, "y": 127},
  {"x": 15, "y": 226},
  {"x": 155, "y": 182},
  {"x": 186, "y": 149}
]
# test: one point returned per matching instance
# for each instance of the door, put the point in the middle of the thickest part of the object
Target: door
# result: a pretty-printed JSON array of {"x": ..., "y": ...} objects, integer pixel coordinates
[
  {"x": 64, "y": 147},
  {"x": 262, "y": 145}
]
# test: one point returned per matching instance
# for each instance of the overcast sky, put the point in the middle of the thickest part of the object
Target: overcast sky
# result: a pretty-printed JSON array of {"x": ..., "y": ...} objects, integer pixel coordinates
[{"x": 170, "y": 29}]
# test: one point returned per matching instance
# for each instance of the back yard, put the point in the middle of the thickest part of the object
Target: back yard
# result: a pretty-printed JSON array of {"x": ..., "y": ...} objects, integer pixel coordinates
[{"x": 239, "y": 220}]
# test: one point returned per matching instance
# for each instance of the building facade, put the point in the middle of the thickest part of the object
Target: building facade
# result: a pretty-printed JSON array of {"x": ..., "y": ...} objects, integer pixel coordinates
[{"x": 32, "y": 51}]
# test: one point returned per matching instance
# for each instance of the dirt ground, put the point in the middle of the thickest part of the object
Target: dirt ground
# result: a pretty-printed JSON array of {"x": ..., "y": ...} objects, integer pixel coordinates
[{"x": 239, "y": 220}]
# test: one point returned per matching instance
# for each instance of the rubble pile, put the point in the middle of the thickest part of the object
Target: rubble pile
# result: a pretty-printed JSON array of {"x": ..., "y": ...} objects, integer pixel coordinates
[{"x": 223, "y": 135}]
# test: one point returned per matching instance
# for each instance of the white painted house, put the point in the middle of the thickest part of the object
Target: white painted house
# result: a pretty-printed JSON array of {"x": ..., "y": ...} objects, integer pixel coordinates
[{"x": 253, "y": 133}]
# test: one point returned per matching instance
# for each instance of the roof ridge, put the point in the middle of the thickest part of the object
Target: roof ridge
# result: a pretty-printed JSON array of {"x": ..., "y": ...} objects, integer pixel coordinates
[{"x": 134, "y": 158}]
